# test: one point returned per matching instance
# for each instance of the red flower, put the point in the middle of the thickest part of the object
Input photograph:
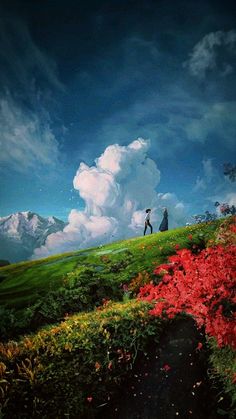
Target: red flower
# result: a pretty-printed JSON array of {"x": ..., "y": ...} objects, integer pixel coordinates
[
  {"x": 166, "y": 367},
  {"x": 199, "y": 346},
  {"x": 233, "y": 228},
  {"x": 201, "y": 285}
]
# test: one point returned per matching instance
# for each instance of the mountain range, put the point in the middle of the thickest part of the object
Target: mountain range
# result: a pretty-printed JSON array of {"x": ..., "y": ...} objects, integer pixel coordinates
[{"x": 22, "y": 232}]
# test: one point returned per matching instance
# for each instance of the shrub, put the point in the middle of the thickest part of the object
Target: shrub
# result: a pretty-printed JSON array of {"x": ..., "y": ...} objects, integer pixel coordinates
[
  {"x": 72, "y": 368},
  {"x": 225, "y": 235},
  {"x": 7, "y": 320},
  {"x": 141, "y": 279},
  {"x": 223, "y": 370},
  {"x": 82, "y": 290},
  {"x": 13, "y": 322}
]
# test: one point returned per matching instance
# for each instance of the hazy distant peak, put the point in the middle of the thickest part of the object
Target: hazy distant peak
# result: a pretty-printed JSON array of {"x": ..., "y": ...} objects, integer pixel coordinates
[{"x": 23, "y": 231}]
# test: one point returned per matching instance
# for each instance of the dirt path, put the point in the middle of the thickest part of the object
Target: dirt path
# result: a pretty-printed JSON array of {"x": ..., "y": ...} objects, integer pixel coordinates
[{"x": 169, "y": 382}]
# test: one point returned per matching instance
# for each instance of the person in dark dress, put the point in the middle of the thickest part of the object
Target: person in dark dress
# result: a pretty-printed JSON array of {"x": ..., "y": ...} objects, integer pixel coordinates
[
  {"x": 147, "y": 221},
  {"x": 164, "y": 223}
]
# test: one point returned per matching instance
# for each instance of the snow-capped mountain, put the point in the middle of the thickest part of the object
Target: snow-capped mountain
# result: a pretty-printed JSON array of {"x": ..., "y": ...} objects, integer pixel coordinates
[{"x": 22, "y": 232}]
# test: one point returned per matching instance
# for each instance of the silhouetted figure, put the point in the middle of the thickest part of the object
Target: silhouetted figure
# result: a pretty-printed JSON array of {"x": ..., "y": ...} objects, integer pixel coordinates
[
  {"x": 147, "y": 221},
  {"x": 164, "y": 223}
]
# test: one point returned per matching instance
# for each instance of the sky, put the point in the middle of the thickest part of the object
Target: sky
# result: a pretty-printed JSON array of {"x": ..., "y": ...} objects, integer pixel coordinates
[{"x": 79, "y": 77}]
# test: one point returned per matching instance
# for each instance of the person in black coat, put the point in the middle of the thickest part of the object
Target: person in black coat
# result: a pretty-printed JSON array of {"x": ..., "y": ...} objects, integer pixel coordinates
[{"x": 164, "y": 223}]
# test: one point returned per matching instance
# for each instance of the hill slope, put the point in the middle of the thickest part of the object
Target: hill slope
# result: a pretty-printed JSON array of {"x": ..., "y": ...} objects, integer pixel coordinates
[
  {"x": 77, "y": 367},
  {"x": 24, "y": 283}
]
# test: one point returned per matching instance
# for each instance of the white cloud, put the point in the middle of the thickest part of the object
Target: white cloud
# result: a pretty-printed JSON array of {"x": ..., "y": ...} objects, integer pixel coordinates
[
  {"x": 200, "y": 184},
  {"x": 208, "y": 168},
  {"x": 209, "y": 173},
  {"x": 218, "y": 120},
  {"x": 97, "y": 187},
  {"x": 28, "y": 79},
  {"x": 231, "y": 198},
  {"x": 116, "y": 192},
  {"x": 172, "y": 121},
  {"x": 26, "y": 142},
  {"x": 206, "y": 53}
]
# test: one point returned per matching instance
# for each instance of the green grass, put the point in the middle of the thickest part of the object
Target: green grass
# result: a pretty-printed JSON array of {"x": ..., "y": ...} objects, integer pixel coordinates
[
  {"x": 56, "y": 368},
  {"x": 22, "y": 284}
]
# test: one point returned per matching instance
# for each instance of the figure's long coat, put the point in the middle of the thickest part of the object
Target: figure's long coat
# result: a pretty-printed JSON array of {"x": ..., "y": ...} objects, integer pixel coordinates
[{"x": 164, "y": 223}]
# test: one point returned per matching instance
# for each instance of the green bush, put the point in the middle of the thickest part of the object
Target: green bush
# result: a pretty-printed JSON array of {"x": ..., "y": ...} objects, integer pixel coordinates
[
  {"x": 223, "y": 370},
  {"x": 7, "y": 320},
  {"x": 13, "y": 323},
  {"x": 72, "y": 368},
  {"x": 82, "y": 290}
]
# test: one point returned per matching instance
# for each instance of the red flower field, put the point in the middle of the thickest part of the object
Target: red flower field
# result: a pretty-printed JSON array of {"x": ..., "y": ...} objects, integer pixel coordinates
[{"x": 201, "y": 285}]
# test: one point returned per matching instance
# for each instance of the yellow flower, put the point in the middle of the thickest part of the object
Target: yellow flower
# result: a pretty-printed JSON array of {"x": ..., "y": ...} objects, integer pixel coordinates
[
  {"x": 2, "y": 368},
  {"x": 68, "y": 346}
]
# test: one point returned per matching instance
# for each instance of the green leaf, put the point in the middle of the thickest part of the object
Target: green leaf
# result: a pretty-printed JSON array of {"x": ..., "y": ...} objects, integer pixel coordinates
[{"x": 222, "y": 412}]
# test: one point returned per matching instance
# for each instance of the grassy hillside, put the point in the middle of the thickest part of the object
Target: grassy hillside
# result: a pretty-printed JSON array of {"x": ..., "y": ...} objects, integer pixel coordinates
[
  {"x": 83, "y": 327},
  {"x": 23, "y": 283}
]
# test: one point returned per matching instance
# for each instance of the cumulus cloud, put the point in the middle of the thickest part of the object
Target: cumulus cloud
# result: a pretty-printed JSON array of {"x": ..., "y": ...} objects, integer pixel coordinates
[
  {"x": 26, "y": 141},
  {"x": 212, "y": 53},
  {"x": 116, "y": 191}
]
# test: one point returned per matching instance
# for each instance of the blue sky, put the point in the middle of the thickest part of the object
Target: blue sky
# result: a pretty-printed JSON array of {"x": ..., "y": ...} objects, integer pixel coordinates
[{"x": 77, "y": 77}]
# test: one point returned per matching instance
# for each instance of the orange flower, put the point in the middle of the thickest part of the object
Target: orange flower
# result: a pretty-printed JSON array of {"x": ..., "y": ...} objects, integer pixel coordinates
[{"x": 97, "y": 366}]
